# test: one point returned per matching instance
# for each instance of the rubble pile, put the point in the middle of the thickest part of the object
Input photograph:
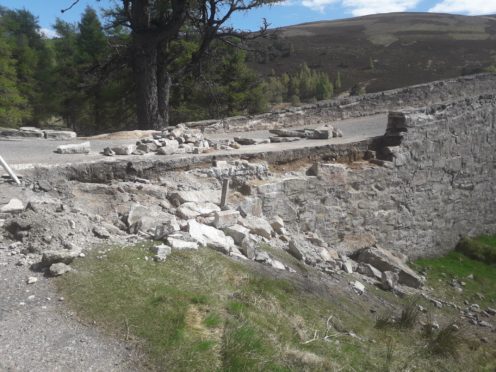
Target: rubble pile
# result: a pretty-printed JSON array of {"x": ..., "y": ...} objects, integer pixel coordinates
[{"x": 175, "y": 140}]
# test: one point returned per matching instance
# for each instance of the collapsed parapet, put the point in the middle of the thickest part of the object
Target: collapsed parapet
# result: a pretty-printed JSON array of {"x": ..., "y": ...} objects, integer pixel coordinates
[
  {"x": 357, "y": 106},
  {"x": 437, "y": 184}
]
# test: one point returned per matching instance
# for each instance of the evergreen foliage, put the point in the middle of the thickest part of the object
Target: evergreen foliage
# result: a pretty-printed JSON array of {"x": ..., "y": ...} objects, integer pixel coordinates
[{"x": 304, "y": 85}]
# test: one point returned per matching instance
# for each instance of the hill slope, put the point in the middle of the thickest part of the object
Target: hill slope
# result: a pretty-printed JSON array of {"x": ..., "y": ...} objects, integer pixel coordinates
[{"x": 384, "y": 51}]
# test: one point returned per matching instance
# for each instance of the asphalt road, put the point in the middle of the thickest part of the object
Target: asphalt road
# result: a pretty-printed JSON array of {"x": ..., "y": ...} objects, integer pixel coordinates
[{"x": 26, "y": 153}]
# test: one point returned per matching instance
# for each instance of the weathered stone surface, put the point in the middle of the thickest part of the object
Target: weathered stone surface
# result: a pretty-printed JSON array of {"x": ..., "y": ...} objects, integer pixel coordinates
[
  {"x": 419, "y": 206},
  {"x": 369, "y": 270},
  {"x": 166, "y": 228},
  {"x": 347, "y": 266},
  {"x": 77, "y": 148},
  {"x": 181, "y": 197},
  {"x": 287, "y": 133},
  {"x": 277, "y": 223},
  {"x": 123, "y": 149},
  {"x": 65, "y": 256},
  {"x": 358, "y": 287},
  {"x": 13, "y": 206},
  {"x": 210, "y": 236},
  {"x": 59, "y": 269},
  {"x": 277, "y": 139},
  {"x": 101, "y": 232},
  {"x": 237, "y": 232},
  {"x": 225, "y": 219},
  {"x": 191, "y": 210},
  {"x": 328, "y": 254},
  {"x": 385, "y": 261},
  {"x": 257, "y": 225},
  {"x": 250, "y": 206},
  {"x": 161, "y": 252},
  {"x": 180, "y": 244},
  {"x": 389, "y": 280},
  {"x": 31, "y": 132},
  {"x": 247, "y": 247},
  {"x": 59, "y": 134},
  {"x": 295, "y": 249},
  {"x": 107, "y": 151}
]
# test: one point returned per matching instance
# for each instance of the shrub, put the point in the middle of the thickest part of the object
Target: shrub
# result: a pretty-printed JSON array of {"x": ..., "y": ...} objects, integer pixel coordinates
[
  {"x": 409, "y": 314},
  {"x": 446, "y": 342},
  {"x": 478, "y": 249}
]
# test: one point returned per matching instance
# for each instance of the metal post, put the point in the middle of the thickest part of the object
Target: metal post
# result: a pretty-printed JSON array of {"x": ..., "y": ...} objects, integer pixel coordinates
[
  {"x": 9, "y": 171},
  {"x": 225, "y": 191}
]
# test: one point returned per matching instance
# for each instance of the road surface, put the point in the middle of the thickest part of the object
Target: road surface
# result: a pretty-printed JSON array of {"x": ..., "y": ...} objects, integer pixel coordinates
[{"x": 26, "y": 153}]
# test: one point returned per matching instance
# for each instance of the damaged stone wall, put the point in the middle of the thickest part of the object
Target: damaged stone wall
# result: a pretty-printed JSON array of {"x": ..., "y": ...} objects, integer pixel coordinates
[
  {"x": 357, "y": 106},
  {"x": 436, "y": 184}
]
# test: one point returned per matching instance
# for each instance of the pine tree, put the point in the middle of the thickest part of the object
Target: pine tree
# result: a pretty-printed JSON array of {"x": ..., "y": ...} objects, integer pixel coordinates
[{"x": 13, "y": 106}]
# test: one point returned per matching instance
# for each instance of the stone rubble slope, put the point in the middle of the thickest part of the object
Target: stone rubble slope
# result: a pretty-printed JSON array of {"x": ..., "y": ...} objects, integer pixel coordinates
[{"x": 182, "y": 211}]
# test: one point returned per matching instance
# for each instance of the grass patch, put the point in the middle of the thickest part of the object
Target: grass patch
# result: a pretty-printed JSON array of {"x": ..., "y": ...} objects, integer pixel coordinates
[
  {"x": 202, "y": 311},
  {"x": 479, "y": 278}
]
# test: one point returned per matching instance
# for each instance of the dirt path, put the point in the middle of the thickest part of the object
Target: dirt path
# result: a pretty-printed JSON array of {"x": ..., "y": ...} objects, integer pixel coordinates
[{"x": 38, "y": 332}]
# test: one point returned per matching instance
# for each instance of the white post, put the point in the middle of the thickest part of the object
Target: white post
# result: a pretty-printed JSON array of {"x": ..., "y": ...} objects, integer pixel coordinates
[{"x": 9, "y": 171}]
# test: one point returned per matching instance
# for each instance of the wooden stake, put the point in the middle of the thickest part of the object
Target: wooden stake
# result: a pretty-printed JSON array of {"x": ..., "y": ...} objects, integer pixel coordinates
[{"x": 225, "y": 191}]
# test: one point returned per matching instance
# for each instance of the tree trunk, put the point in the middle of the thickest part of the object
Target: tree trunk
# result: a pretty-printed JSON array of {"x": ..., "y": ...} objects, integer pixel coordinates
[
  {"x": 145, "y": 74},
  {"x": 164, "y": 88}
]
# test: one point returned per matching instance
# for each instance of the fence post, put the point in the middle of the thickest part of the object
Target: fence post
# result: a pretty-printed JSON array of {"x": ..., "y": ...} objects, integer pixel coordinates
[{"x": 9, "y": 171}]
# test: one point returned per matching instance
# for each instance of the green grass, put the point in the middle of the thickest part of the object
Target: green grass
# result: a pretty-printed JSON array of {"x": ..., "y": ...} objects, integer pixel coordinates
[
  {"x": 201, "y": 311},
  {"x": 481, "y": 289}
]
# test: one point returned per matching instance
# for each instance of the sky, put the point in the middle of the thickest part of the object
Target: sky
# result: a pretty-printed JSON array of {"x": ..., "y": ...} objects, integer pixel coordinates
[{"x": 286, "y": 13}]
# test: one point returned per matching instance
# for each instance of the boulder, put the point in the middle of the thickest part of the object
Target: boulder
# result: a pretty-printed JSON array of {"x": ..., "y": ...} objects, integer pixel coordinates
[
  {"x": 317, "y": 133},
  {"x": 257, "y": 226},
  {"x": 166, "y": 228},
  {"x": 347, "y": 266},
  {"x": 178, "y": 243},
  {"x": 107, "y": 151},
  {"x": 123, "y": 149},
  {"x": 384, "y": 260},
  {"x": 245, "y": 141},
  {"x": 277, "y": 223},
  {"x": 237, "y": 232},
  {"x": 225, "y": 219},
  {"x": 31, "y": 132},
  {"x": 277, "y": 264},
  {"x": 389, "y": 280},
  {"x": 358, "y": 287},
  {"x": 147, "y": 147},
  {"x": 210, "y": 236},
  {"x": 59, "y": 134},
  {"x": 247, "y": 247},
  {"x": 59, "y": 269},
  {"x": 295, "y": 249},
  {"x": 328, "y": 255},
  {"x": 277, "y": 139},
  {"x": 191, "y": 210},
  {"x": 287, "y": 133},
  {"x": 76, "y": 148},
  {"x": 250, "y": 207},
  {"x": 369, "y": 270},
  {"x": 13, "y": 206},
  {"x": 101, "y": 232},
  {"x": 52, "y": 257},
  {"x": 161, "y": 252},
  {"x": 262, "y": 257},
  {"x": 201, "y": 196}
]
